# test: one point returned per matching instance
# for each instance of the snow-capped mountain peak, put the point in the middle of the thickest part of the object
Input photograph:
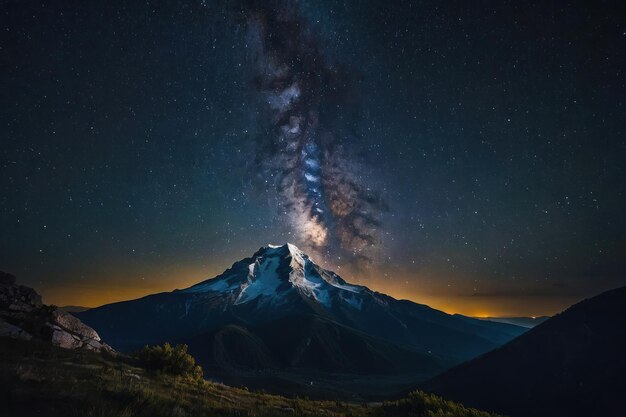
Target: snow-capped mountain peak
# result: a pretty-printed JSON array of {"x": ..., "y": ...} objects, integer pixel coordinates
[
  {"x": 280, "y": 293},
  {"x": 277, "y": 271},
  {"x": 298, "y": 257}
]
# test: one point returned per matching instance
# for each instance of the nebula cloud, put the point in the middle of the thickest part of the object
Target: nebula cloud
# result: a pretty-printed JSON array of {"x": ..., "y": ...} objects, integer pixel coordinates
[{"x": 304, "y": 145}]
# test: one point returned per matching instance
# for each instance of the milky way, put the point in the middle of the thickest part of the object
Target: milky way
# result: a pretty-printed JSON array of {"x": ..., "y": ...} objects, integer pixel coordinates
[
  {"x": 304, "y": 145},
  {"x": 130, "y": 131}
]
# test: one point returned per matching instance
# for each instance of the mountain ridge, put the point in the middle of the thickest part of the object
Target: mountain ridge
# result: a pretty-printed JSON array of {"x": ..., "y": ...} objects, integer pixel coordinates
[
  {"x": 281, "y": 284},
  {"x": 570, "y": 365},
  {"x": 528, "y": 322}
]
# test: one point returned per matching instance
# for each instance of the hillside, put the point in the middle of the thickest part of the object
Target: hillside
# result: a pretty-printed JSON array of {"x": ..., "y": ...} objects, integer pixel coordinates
[
  {"x": 38, "y": 379},
  {"x": 571, "y": 365}
]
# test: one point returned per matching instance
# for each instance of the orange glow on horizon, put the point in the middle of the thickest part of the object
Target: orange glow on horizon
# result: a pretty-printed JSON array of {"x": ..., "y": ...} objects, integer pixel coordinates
[{"x": 107, "y": 290}]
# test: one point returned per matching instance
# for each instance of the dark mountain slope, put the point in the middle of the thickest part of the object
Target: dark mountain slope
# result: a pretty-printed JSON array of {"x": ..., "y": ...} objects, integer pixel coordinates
[
  {"x": 306, "y": 342},
  {"x": 571, "y": 365}
]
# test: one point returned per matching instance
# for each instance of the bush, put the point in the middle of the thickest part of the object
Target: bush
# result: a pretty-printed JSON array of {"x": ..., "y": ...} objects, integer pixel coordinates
[{"x": 171, "y": 360}]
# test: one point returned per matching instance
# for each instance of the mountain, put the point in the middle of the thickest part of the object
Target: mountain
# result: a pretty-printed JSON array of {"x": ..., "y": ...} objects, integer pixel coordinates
[
  {"x": 277, "y": 316},
  {"x": 528, "y": 322},
  {"x": 571, "y": 365}
]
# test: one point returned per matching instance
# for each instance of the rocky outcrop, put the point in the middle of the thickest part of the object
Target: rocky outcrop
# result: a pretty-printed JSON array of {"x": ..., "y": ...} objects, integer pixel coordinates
[
  {"x": 24, "y": 316},
  {"x": 74, "y": 325},
  {"x": 71, "y": 333},
  {"x": 12, "y": 331},
  {"x": 17, "y": 297}
]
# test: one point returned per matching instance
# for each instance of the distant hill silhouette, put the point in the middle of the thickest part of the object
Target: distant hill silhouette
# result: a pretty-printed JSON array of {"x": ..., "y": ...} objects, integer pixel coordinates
[
  {"x": 74, "y": 309},
  {"x": 572, "y": 365},
  {"x": 528, "y": 322}
]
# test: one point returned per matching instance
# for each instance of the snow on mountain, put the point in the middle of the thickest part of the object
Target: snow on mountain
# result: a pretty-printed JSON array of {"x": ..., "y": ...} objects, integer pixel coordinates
[
  {"x": 274, "y": 272},
  {"x": 262, "y": 280}
]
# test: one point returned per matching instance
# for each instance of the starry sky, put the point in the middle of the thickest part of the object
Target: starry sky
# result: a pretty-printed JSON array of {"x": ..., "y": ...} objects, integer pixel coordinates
[{"x": 467, "y": 156}]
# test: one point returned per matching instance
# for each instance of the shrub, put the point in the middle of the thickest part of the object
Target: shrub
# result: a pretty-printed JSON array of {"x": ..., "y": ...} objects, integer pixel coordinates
[{"x": 171, "y": 360}]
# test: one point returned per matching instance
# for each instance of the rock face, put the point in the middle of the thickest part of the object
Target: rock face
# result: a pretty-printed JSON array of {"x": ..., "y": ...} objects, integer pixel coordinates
[
  {"x": 17, "y": 297},
  {"x": 74, "y": 325},
  {"x": 24, "y": 316},
  {"x": 14, "y": 332}
]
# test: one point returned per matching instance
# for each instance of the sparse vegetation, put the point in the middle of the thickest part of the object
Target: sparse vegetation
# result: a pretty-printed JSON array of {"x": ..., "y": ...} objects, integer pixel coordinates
[
  {"x": 171, "y": 360},
  {"x": 420, "y": 403},
  {"x": 39, "y": 379}
]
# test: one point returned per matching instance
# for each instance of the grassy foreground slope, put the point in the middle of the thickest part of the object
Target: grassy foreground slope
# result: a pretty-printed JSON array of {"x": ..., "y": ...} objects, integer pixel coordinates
[{"x": 37, "y": 379}]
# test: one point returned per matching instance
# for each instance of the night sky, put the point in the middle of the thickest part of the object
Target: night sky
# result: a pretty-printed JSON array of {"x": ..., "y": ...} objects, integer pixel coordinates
[{"x": 465, "y": 155}]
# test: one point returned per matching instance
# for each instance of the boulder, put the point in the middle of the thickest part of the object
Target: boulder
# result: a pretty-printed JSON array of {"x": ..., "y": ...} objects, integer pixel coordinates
[
  {"x": 74, "y": 325},
  {"x": 66, "y": 340}
]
